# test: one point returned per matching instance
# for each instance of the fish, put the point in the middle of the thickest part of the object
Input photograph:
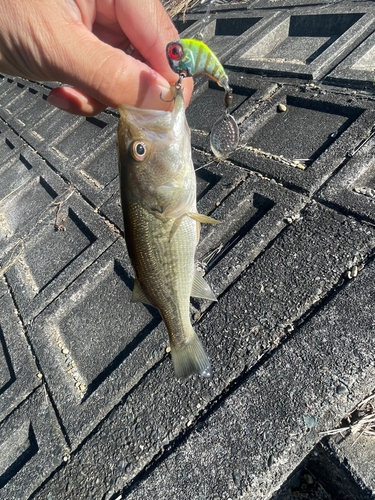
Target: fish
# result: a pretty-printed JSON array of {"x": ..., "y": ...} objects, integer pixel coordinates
[
  {"x": 158, "y": 197},
  {"x": 192, "y": 57}
]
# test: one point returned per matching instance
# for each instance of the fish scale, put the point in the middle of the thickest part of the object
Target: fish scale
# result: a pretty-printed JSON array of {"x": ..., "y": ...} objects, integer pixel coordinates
[{"x": 162, "y": 269}]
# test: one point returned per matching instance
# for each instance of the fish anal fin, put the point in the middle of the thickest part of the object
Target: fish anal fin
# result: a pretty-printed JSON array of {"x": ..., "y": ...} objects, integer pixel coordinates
[
  {"x": 138, "y": 294},
  {"x": 204, "y": 219},
  {"x": 201, "y": 289}
]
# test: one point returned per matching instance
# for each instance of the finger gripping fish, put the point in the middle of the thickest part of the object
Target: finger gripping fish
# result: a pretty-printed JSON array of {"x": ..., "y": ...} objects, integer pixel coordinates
[{"x": 158, "y": 195}]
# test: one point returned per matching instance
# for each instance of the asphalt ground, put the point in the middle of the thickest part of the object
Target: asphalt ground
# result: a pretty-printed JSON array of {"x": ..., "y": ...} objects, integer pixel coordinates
[{"x": 89, "y": 404}]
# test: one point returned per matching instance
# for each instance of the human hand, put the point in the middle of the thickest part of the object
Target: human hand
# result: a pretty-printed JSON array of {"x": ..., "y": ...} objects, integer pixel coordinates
[{"x": 83, "y": 43}]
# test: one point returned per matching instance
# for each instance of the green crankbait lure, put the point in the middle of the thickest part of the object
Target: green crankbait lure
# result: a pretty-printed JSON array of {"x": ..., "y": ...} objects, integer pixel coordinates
[
  {"x": 189, "y": 57},
  {"x": 193, "y": 57}
]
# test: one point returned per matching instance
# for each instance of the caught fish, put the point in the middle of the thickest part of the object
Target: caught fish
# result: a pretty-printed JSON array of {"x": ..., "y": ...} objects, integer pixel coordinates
[
  {"x": 158, "y": 195},
  {"x": 193, "y": 57}
]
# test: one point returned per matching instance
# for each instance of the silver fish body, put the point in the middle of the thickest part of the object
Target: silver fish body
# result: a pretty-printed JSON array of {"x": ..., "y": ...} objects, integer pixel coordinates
[{"x": 158, "y": 195}]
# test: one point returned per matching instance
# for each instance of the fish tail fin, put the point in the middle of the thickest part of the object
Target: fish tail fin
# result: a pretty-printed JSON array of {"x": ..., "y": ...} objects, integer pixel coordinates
[{"x": 190, "y": 359}]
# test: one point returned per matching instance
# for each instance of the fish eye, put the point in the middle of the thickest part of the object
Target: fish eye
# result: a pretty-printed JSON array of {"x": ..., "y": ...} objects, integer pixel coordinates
[
  {"x": 175, "y": 52},
  {"x": 139, "y": 150}
]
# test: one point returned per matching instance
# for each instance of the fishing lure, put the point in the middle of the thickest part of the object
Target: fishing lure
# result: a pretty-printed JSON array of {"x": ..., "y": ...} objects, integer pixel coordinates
[
  {"x": 189, "y": 57},
  {"x": 192, "y": 57}
]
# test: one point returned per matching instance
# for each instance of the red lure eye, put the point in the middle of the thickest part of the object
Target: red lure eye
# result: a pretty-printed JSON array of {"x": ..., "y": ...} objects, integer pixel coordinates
[{"x": 175, "y": 52}]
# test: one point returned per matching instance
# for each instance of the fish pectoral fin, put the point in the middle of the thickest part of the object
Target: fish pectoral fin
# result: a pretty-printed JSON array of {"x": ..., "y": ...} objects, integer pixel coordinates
[
  {"x": 138, "y": 294},
  {"x": 174, "y": 228},
  {"x": 204, "y": 219},
  {"x": 201, "y": 289}
]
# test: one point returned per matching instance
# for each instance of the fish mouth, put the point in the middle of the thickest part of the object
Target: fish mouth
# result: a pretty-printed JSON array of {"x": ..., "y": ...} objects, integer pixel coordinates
[
  {"x": 137, "y": 119},
  {"x": 138, "y": 123}
]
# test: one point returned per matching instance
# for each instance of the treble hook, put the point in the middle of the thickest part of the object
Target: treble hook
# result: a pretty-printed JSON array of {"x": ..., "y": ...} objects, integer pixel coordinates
[{"x": 177, "y": 87}]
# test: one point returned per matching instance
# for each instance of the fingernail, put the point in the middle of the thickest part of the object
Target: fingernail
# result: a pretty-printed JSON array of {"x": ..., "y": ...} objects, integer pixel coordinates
[{"x": 58, "y": 102}]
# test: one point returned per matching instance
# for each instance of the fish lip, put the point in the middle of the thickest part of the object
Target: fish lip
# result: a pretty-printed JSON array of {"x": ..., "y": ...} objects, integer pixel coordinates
[
  {"x": 136, "y": 121},
  {"x": 126, "y": 109}
]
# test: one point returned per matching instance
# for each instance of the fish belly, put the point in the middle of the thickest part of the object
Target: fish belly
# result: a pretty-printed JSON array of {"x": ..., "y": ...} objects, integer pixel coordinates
[{"x": 164, "y": 266}]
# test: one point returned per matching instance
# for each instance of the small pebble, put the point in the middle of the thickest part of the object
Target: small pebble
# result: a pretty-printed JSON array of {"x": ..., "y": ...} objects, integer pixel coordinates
[
  {"x": 65, "y": 351},
  {"x": 82, "y": 387},
  {"x": 341, "y": 389},
  {"x": 310, "y": 422},
  {"x": 168, "y": 349},
  {"x": 281, "y": 108},
  {"x": 39, "y": 375},
  {"x": 309, "y": 479}
]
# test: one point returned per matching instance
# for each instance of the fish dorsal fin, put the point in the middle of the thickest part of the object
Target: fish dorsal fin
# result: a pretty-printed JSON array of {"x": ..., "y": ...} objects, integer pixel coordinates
[
  {"x": 204, "y": 219},
  {"x": 201, "y": 289},
  {"x": 138, "y": 294}
]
